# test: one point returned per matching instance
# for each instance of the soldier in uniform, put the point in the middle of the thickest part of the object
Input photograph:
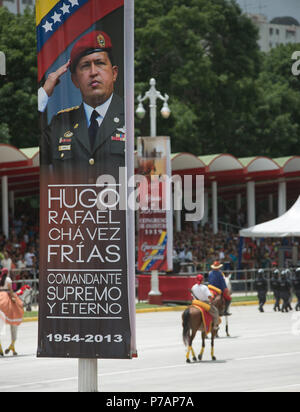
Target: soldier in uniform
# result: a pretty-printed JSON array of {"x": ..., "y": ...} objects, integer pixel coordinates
[
  {"x": 261, "y": 286},
  {"x": 276, "y": 289},
  {"x": 285, "y": 290},
  {"x": 296, "y": 286},
  {"x": 289, "y": 277},
  {"x": 86, "y": 141}
]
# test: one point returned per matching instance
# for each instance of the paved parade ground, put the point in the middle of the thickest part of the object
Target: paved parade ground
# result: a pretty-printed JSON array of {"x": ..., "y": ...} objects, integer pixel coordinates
[{"x": 262, "y": 354}]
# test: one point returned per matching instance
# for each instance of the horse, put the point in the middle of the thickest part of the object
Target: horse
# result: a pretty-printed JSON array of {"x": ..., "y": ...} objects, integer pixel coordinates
[
  {"x": 229, "y": 287},
  {"x": 12, "y": 318},
  {"x": 192, "y": 322}
]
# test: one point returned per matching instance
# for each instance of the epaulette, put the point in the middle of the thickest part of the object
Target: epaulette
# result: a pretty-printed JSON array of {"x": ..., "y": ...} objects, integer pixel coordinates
[{"x": 68, "y": 110}]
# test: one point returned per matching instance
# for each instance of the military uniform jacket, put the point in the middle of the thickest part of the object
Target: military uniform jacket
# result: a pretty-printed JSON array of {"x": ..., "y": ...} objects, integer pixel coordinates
[
  {"x": 284, "y": 285},
  {"x": 296, "y": 285},
  {"x": 275, "y": 284},
  {"x": 66, "y": 150},
  {"x": 261, "y": 285}
]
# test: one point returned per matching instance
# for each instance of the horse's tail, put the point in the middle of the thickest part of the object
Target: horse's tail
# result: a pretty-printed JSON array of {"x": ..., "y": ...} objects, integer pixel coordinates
[{"x": 186, "y": 326}]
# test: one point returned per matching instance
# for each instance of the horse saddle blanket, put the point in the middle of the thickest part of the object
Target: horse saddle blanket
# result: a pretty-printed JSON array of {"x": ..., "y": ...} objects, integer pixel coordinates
[
  {"x": 206, "y": 317},
  {"x": 215, "y": 291}
]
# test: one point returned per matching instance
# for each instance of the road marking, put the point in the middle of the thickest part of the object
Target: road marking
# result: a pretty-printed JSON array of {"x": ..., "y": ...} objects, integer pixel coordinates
[
  {"x": 275, "y": 388},
  {"x": 273, "y": 355},
  {"x": 144, "y": 370}
]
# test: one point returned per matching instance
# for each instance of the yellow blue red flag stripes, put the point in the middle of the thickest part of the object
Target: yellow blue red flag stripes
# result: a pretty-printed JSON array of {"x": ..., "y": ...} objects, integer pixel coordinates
[{"x": 59, "y": 23}]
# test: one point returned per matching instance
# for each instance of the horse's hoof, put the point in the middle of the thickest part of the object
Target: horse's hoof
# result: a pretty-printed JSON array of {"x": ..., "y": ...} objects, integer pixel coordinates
[
  {"x": 7, "y": 351},
  {"x": 200, "y": 357},
  {"x": 188, "y": 361},
  {"x": 214, "y": 358},
  {"x": 194, "y": 359},
  {"x": 15, "y": 354}
]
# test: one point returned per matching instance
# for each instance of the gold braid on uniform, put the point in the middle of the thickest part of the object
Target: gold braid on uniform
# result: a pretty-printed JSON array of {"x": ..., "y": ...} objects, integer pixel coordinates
[{"x": 68, "y": 110}]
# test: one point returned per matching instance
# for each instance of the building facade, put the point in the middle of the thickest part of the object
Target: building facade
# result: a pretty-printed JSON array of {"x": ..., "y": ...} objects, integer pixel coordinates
[
  {"x": 17, "y": 6},
  {"x": 278, "y": 31}
]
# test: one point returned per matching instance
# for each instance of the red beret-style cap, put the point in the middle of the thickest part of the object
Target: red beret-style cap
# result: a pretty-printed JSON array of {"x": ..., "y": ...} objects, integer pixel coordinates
[{"x": 95, "y": 41}]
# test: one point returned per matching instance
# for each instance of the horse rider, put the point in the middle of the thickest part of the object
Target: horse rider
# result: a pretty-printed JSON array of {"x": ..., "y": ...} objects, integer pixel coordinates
[
  {"x": 216, "y": 279},
  {"x": 274, "y": 283},
  {"x": 296, "y": 286},
  {"x": 202, "y": 293},
  {"x": 285, "y": 291},
  {"x": 261, "y": 286}
]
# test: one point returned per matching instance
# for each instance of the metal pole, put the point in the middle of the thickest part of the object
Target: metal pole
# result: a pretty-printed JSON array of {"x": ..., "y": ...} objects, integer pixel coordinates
[
  {"x": 87, "y": 375},
  {"x": 215, "y": 206},
  {"x": 153, "y": 98},
  {"x": 152, "y": 94},
  {"x": 5, "y": 221}
]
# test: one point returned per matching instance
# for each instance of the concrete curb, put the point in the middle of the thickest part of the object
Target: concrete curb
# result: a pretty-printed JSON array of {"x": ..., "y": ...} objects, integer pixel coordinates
[{"x": 175, "y": 308}]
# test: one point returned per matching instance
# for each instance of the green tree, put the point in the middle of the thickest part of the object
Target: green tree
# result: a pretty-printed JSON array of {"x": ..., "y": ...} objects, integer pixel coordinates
[
  {"x": 277, "y": 117},
  {"x": 18, "y": 89},
  {"x": 204, "y": 54}
]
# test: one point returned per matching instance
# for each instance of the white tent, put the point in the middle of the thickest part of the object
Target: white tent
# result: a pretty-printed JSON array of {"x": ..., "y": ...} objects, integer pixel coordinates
[{"x": 286, "y": 225}]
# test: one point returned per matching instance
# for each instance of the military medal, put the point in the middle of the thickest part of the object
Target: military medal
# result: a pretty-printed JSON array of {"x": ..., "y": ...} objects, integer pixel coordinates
[
  {"x": 62, "y": 140},
  {"x": 119, "y": 137},
  {"x": 65, "y": 147},
  {"x": 68, "y": 134}
]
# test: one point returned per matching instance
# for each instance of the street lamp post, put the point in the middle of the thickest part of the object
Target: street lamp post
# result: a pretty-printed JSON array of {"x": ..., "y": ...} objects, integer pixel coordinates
[
  {"x": 152, "y": 94},
  {"x": 154, "y": 296}
]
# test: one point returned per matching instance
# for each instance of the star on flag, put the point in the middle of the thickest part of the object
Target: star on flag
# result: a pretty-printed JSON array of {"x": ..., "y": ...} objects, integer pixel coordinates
[
  {"x": 65, "y": 8},
  {"x": 74, "y": 3},
  {"x": 48, "y": 26},
  {"x": 56, "y": 17}
]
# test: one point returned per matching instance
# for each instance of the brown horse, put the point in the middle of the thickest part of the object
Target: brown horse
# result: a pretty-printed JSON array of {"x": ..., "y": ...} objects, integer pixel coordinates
[{"x": 192, "y": 322}]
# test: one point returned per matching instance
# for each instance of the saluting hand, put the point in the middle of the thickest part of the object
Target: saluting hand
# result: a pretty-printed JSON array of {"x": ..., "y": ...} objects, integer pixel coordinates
[{"x": 53, "y": 78}]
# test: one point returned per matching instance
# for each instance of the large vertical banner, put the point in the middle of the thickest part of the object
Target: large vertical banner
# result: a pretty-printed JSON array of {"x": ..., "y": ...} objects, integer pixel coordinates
[
  {"x": 155, "y": 244},
  {"x": 84, "y": 277}
]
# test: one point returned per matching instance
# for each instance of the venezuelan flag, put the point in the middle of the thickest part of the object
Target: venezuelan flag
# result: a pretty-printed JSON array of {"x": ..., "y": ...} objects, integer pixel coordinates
[
  {"x": 59, "y": 23},
  {"x": 162, "y": 250}
]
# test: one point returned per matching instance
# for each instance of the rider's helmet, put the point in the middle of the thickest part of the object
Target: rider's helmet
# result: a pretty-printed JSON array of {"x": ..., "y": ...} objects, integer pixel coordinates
[
  {"x": 276, "y": 273},
  {"x": 199, "y": 278}
]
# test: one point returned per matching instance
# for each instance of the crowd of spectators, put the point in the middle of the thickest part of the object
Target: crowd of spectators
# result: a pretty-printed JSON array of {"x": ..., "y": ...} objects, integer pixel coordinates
[
  {"x": 202, "y": 247},
  {"x": 195, "y": 244},
  {"x": 20, "y": 251}
]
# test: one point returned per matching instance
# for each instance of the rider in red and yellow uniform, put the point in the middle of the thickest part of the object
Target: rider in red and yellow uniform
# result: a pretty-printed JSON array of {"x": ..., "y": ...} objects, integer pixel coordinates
[{"x": 202, "y": 293}]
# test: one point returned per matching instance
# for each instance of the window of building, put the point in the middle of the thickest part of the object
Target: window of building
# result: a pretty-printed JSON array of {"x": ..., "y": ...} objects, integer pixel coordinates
[{"x": 290, "y": 35}]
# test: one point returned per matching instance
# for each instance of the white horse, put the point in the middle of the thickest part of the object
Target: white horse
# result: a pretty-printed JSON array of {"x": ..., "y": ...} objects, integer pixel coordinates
[
  {"x": 228, "y": 284},
  {"x": 227, "y": 278},
  {"x": 23, "y": 294}
]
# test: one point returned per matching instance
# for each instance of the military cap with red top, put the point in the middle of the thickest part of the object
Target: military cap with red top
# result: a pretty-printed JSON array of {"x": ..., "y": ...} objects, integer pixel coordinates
[{"x": 93, "y": 42}]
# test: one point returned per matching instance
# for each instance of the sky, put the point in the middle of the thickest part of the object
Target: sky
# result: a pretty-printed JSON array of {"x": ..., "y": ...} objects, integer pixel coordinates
[{"x": 272, "y": 8}]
